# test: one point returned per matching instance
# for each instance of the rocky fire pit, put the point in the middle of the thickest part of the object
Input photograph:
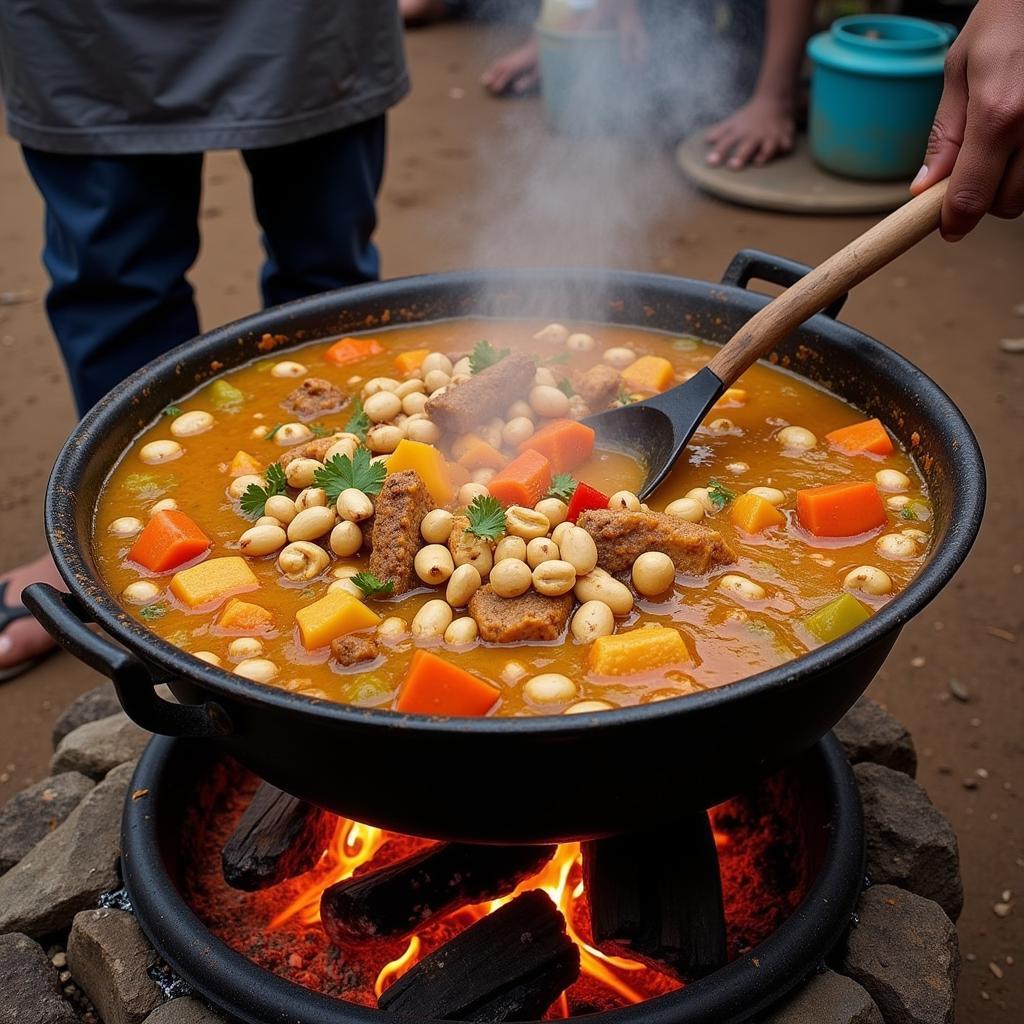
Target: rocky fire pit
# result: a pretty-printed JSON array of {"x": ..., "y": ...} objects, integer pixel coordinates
[{"x": 71, "y": 950}]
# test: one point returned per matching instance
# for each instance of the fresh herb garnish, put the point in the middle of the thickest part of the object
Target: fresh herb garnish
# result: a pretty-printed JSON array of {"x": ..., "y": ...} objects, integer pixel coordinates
[
  {"x": 565, "y": 386},
  {"x": 562, "y": 487},
  {"x": 624, "y": 397},
  {"x": 254, "y": 500},
  {"x": 359, "y": 472},
  {"x": 719, "y": 495},
  {"x": 269, "y": 436},
  {"x": 371, "y": 586},
  {"x": 684, "y": 344},
  {"x": 153, "y": 611},
  {"x": 486, "y": 518},
  {"x": 319, "y": 430},
  {"x": 908, "y": 513},
  {"x": 172, "y": 410},
  {"x": 484, "y": 354},
  {"x": 358, "y": 422}
]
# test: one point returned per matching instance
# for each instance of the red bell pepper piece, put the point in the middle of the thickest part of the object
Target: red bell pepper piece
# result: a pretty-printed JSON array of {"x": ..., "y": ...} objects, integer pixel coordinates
[{"x": 583, "y": 499}]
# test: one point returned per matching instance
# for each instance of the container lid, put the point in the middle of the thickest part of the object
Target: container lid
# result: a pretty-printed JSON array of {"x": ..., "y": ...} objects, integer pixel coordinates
[{"x": 883, "y": 44}]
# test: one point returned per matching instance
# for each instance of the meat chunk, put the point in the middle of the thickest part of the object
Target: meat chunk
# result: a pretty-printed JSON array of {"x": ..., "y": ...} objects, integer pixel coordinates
[
  {"x": 315, "y": 449},
  {"x": 485, "y": 395},
  {"x": 354, "y": 648},
  {"x": 598, "y": 387},
  {"x": 622, "y": 535},
  {"x": 400, "y": 507},
  {"x": 315, "y": 397},
  {"x": 503, "y": 620}
]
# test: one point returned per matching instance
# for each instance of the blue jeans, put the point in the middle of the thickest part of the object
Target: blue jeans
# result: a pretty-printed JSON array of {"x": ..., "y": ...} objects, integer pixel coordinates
[{"x": 122, "y": 232}]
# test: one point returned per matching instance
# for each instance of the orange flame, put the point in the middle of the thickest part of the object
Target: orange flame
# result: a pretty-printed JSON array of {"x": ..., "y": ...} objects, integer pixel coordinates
[{"x": 393, "y": 971}]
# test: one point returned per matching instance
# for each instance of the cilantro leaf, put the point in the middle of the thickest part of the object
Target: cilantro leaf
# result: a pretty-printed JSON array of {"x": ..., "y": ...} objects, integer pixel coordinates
[
  {"x": 624, "y": 397},
  {"x": 153, "y": 611},
  {"x": 486, "y": 518},
  {"x": 565, "y": 386},
  {"x": 908, "y": 513},
  {"x": 359, "y": 472},
  {"x": 255, "y": 498},
  {"x": 719, "y": 495},
  {"x": 358, "y": 422},
  {"x": 269, "y": 436},
  {"x": 371, "y": 586},
  {"x": 172, "y": 410},
  {"x": 562, "y": 487},
  {"x": 319, "y": 430},
  {"x": 484, "y": 354}
]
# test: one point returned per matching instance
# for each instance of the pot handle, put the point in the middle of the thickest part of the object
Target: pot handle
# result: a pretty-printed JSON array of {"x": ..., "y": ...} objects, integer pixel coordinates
[
  {"x": 64, "y": 618},
  {"x": 753, "y": 264}
]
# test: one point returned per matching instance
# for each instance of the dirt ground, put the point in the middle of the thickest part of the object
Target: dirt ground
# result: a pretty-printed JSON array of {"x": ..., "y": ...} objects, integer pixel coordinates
[{"x": 473, "y": 182}]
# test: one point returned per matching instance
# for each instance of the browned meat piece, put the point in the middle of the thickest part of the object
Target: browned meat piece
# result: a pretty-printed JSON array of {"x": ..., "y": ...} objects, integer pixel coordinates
[
  {"x": 598, "y": 386},
  {"x": 315, "y": 397},
  {"x": 506, "y": 620},
  {"x": 315, "y": 449},
  {"x": 400, "y": 507},
  {"x": 354, "y": 648},
  {"x": 621, "y": 536},
  {"x": 484, "y": 396}
]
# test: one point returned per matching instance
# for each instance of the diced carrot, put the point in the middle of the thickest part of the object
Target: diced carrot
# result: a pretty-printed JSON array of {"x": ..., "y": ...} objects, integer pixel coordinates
[
  {"x": 242, "y": 464},
  {"x": 753, "y": 514},
  {"x": 731, "y": 398},
  {"x": 868, "y": 436},
  {"x": 649, "y": 373},
  {"x": 245, "y": 617},
  {"x": 213, "y": 580},
  {"x": 406, "y": 362},
  {"x": 566, "y": 444},
  {"x": 169, "y": 539},
  {"x": 840, "y": 510},
  {"x": 352, "y": 350},
  {"x": 429, "y": 463},
  {"x": 478, "y": 454},
  {"x": 583, "y": 499},
  {"x": 437, "y": 687},
  {"x": 334, "y": 615},
  {"x": 524, "y": 481}
]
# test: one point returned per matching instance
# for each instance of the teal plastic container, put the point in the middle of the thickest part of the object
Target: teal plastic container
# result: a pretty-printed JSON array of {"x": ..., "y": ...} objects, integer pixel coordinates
[{"x": 875, "y": 84}]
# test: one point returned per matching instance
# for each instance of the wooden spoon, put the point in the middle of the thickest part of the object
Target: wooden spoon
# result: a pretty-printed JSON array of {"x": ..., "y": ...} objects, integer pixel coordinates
[{"x": 655, "y": 431}]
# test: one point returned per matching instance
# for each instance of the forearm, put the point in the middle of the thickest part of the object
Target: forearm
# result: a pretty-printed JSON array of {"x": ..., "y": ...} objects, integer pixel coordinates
[{"x": 788, "y": 24}]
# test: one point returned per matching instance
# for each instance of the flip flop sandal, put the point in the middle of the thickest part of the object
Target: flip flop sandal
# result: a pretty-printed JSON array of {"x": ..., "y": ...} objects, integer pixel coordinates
[{"x": 11, "y": 613}]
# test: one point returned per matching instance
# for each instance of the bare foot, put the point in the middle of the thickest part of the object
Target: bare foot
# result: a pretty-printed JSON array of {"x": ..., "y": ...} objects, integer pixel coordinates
[
  {"x": 423, "y": 12},
  {"x": 516, "y": 73},
  {"x": 759, "y": 131},
  {"x": 24, "y": 638}
]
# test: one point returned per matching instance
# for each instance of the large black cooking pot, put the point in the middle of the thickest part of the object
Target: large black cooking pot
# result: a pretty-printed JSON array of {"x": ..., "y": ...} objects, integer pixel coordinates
[{"x": 509, "y": 779}]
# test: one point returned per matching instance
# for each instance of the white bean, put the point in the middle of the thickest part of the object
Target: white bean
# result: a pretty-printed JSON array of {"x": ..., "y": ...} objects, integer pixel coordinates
[
  {"x": 209, "y": 657},
  {"x": 703, "y": 495},
  {"x": 281, "y": 507},
  {"x": 689, "y": 509},
  {"x": 125, "y": 526},
  {"x": 897, "y": 502},
  {"x": 393, "y": 629},
  {"x": 461, "y": 631},
  {"x": 436, "y": 526},
  {"x": 519, "y": 410},
  {"x": 554, "y": 509},
  {"x": 484, "y": 476},
  {"x": 384, "y": 438},
  {"x": 413, "y": 386},
  {"x": 245, "y": 647},
  {"x": 262, "y": 540},
  {"x": 241, "y": 484},
  {"x": 722, "y": 425},
  {"x": 549, "y": 688},
  {"x": 414, "y": 403},
  {"x": 353, "y": 505},
  {"x": 540, "y": 549},
  {"x": 301, "y": 472},
  {"x": 544, "y": 377},
  {"x": 511, "y": 578},
  {"x": 434, "y": 564},
  {"x": 311, "y": 523},
  {"x": 797, "y": 439},
  {"x": 555, "y": 333},
  {"x": 345, "y": 446},
  {"x": 292, "y": 433},
  {"x": 310, "y": 497},
  {"x": 741, "y": 587},
  {"x": 462, "y": 368},
  {"x": 517, "y": 430},
  {"x": 598, "y": 586},
  {"x": 554, "y": 577},
  {"x": 619, "y": 357},
  {"x": 346, "y": 586},
  {"x": 259, "y": 670},
  {"x": 435, "y": 380},
  {"x": 558, "y": 534},
  {"x": 510, "y": 547},
  {"x": 653, "y": 573},
  {"x": 738, "y": 468},
  {"x": 579, "y": 549},
  {"x": 382, "y": 407},
  {"x": 432, "y": 619},
  {"x": 188, "y": 424},
  {"x": 896, "y": 546},
  {"x": 157, "y": 452},
  {"x": 303, "y": 560},
  {"x": 287, "y": 368},
  {"x": 770, "y": 494},
  {"x": 436, "y": 361},
  {"x": 593, "y": 619},
  {"x": 624, "y": 500},
  {"x": 580, "y": 343},
  {"x": 377, "y": 384},
  {"x": 346, "y": 539},
  {"x": 140, "y": 592},
  {"x": 584, "y": 707},
  {"x": 163, "y": 505},
  {"x": 513, "y": 671},
  {"x": 468, "y": 493},
  {"x": 869, "y": 579},
  {"x": 892, "y": 480},
  {"x": 549, "y": 401},
  {"x": 463, "y": 583},
  {"x": 526, "y": 522},
  {"x": 424, "y": 431}
]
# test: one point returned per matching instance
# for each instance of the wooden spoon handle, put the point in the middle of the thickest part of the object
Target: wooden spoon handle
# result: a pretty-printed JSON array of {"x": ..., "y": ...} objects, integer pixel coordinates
[{"x": 853, "y": 263}]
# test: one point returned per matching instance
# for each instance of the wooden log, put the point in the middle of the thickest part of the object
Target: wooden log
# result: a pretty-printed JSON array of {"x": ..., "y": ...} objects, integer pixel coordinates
[
  {"x": 656, "y": 897},
  {"x": 278, "y": 837},
  {"x": 511, "y": 965},
  {"x": 398, "y": 899}
]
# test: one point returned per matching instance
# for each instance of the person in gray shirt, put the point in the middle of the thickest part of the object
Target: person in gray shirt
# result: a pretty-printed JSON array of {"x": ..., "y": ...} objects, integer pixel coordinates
[{"x": 114, "y": 103}]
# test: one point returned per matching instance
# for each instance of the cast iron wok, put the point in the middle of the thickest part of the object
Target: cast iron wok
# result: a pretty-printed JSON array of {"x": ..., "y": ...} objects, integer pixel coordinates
[{"x": 509, "y": 779}]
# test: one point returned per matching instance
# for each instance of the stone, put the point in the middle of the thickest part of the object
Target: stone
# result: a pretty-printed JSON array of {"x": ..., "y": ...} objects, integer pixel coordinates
[
  {"x": 869, "y": 733},
  {"x": 110, "y": 960},
  {"x": 29, "y": 987},
  {"x": 903, "y": 951},
  {"x": 909, "y": 842},
  {"x": 184, "y": 1011},
  {"x": 827, "y": 998},
  {"x": 35, "y": 812},
  {"x": 72, "y": 867},
  {"x": 96, "y": 747},
  {"x": 100, "y": 702}
]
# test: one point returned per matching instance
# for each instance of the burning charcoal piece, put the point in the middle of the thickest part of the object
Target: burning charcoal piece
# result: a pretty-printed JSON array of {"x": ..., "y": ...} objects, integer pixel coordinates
[
  {"x": 278, "y": 837},
  {"x": 396, "y": 900},
  {"x": 657, "y": 898},
  {"x": 511, "y": 965}
]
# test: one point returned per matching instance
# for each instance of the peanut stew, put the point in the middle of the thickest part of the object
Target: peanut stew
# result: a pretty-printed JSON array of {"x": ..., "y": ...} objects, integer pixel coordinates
[{"x": 417, "y": 520}]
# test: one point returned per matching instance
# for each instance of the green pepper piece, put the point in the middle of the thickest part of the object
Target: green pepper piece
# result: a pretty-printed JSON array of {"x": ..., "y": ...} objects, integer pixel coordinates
[
  {"x": 225, "y": 396},
  {"x": 837, "y": 618}
]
